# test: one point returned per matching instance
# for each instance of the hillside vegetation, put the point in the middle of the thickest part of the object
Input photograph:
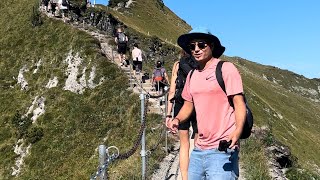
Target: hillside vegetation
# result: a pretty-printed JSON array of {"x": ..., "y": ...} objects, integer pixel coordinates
[
  {"x": 151, "y": 18},
  {"x": 100, "y": 109},
  {"x": 292, "y": 117},
  {"x": 64, "y": 138}
]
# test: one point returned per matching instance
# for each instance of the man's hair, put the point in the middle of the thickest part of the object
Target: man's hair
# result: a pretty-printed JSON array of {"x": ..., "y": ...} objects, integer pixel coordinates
[
  {"x": 119, "y": 29},
  {"x": 135, "y": 45},
  {"x": 159, "y": 63}
]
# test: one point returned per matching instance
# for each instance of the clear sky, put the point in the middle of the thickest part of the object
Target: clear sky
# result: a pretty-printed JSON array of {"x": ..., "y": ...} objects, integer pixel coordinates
[{"x": 282, "y": 33}]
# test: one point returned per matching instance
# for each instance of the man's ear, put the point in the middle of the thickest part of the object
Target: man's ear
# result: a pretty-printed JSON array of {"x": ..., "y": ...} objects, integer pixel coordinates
[{"x": 211, "y": 45}]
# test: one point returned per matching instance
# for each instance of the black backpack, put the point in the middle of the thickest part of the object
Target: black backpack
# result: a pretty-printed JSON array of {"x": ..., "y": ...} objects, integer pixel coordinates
[
  {"x": 65, "y": 3},
  {"x": 247, "y": 127},
  {"x": 186, "y": 64}
]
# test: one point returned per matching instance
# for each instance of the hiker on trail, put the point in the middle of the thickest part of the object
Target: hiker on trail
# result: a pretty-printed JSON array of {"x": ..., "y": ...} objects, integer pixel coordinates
[
  {"x": 137, "y": 59},
  {"x": 217, "y": 120},
  {"x": 180, "y": 71},
  {"x": 63, "y": 8},
  {"x": 45, "y": 4},
  {"x": 159, "y": 77},
  {"x": 52, "y": 7},
  {"x": 121, "y": 39}
]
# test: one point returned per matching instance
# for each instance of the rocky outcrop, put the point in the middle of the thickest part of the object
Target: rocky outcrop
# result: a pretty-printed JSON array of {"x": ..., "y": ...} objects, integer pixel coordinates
[{"x": 279, "y": 155}]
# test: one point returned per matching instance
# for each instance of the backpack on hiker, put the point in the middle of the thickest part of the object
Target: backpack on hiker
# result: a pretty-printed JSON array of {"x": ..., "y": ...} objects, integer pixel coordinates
[
  {"x": 65, "y": 3},
  {"x": 121, "y": 38},
  {"x": 247, "y": 127},
  {"x": 186, "y": 64},
  {"x": 158, "y": 74}
]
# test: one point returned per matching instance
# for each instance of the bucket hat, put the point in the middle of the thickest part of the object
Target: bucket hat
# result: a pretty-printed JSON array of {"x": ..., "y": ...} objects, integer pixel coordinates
[{"x": 201, "y": 33}]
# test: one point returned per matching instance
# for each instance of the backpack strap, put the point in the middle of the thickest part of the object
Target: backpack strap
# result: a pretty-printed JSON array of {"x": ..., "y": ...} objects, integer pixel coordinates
[
  {"x": 219, "y": 76},
  {"x": 220, "y": 80},
  {"x": 191, "y": 74}
]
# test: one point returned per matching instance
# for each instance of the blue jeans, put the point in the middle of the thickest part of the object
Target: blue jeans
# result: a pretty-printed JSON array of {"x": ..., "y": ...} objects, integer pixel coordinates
[{"x": 213, "y": 165}]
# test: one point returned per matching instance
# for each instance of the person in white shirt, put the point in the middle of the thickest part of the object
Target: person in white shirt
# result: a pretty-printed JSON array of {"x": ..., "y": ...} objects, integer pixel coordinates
[
  {"x": 137, "y": 58},
  {"x": 63, "y": 9}
]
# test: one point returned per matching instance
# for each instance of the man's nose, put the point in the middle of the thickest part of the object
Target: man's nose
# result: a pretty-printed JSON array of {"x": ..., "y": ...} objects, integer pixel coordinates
[{"x": 197, "y": 49}]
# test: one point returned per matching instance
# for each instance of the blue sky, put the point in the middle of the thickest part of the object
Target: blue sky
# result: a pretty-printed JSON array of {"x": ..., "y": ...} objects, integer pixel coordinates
[{"x": 282, "y": 33}]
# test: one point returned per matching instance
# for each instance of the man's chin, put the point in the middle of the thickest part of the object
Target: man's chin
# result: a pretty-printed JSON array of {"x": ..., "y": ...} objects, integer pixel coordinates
[{"x": 199, "y": 59}]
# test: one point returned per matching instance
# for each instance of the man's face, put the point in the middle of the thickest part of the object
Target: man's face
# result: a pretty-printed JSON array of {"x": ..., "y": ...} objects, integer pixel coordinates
[{"x": 200, "y": 49}]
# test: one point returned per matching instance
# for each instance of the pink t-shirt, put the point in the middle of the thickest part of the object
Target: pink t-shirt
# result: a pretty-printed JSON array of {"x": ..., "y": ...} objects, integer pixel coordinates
[{"x": 215, "y": 116}]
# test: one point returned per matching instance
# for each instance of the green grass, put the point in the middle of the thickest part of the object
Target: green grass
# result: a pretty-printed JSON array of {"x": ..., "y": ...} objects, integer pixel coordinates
[
  {"x": 296, "y": 173},
  {"x": 147, "y": 17},
  {"x": 294, "y": 119},
  {"x": 73, "y": 125},
  {"x": 253, "y": 160}
]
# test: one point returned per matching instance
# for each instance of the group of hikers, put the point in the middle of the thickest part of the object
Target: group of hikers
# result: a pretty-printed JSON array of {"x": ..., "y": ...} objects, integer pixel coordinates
[
  {"x": 77, "y": 11},
  {"x": 159, "y": 77},
  {"x": 216, "y": 111},
  {"x": 56, "y": 7}
]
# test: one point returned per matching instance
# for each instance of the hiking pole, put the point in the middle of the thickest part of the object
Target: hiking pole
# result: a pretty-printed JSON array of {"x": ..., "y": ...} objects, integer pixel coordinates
[
  {"x": 143, "y": 138},
  {"x": 165, "y": 111}
]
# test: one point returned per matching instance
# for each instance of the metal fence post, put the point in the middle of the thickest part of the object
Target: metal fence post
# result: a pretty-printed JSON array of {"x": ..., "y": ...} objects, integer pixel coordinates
[
  {"x": 158, "y": 86},
  {"x": 165, "y": 113},
  {"x": 112, "y": 55},
  {"x": 102, "y": 160},
  {"x": 143, "y": 138},
  {"x": 131, "y": 78}
]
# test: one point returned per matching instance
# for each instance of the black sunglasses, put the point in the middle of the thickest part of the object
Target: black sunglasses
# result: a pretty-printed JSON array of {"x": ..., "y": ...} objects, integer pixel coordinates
[{"x": 201, "y": 45}]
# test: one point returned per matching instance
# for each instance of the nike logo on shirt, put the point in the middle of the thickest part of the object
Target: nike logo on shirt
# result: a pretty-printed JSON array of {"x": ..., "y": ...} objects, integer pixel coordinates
[{"x": 207, "y": 78}]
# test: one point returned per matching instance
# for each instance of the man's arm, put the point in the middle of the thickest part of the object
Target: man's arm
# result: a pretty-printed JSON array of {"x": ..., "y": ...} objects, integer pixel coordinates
[{"x": 240, "y": 113}]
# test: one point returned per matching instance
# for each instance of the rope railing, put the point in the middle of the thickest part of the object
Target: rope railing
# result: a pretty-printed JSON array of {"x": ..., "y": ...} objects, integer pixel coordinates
[{"x": 102, "y": 168}]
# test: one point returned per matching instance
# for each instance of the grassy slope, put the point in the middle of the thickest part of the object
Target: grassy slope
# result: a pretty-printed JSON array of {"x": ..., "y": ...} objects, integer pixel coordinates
[
  {"x": 268, "y": 100},
  {"x": 74, "y": 125},
  {"x": 145, "y": 16},
  {"x": 294, "y": 119}
]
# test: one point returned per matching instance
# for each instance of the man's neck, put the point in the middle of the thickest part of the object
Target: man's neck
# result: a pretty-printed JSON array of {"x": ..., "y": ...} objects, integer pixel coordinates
[{"x": 205, "y": 63}]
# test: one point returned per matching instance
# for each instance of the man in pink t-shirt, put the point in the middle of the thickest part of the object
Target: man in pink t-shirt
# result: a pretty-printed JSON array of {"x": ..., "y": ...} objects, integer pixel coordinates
[{"x": 217, "y": 119}]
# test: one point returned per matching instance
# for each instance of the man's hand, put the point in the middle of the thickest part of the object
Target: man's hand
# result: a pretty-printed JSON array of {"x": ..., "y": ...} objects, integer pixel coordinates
[
  {"x": 234, "y": 137},
  {"x": 168, "y": 121},
  {"x": 173, "y": 125}
]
